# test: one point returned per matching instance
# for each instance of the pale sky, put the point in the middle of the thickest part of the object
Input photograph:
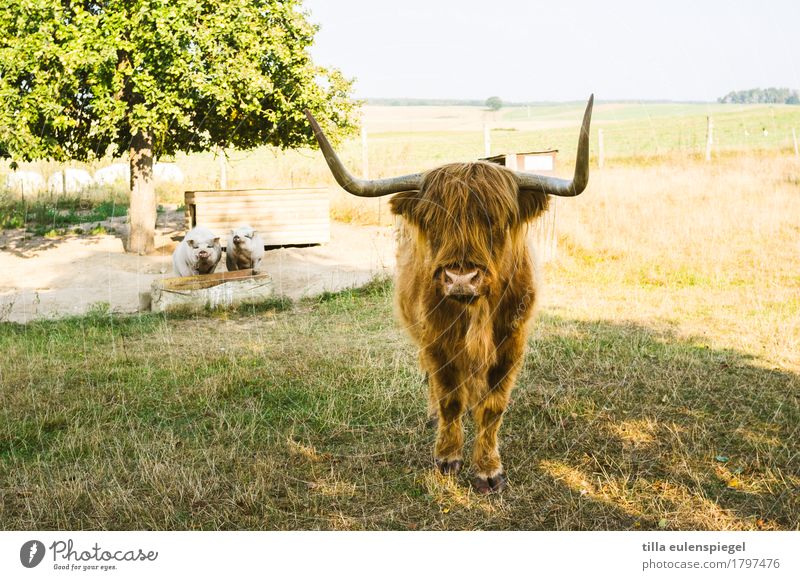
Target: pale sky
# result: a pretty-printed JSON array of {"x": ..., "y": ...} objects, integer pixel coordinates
[{"x": 532, "y": 50}]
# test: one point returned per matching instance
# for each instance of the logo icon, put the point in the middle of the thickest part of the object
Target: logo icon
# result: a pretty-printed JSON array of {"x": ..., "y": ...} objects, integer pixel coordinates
[{"x": 31, "y": 553}]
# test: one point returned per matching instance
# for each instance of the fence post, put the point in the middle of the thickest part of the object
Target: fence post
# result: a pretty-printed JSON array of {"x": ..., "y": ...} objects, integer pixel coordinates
[
  {"x": 601, "y": 156},
  {"x": 794, "y": 138},
  {"x": 364, "y": 153},
  {"x": 709, "y": 137},
  {"x": 223, "y": 169}
]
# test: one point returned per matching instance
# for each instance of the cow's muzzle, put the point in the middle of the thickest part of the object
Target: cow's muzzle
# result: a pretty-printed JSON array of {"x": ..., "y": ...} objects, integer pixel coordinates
[{"x": 462, "y": 284}]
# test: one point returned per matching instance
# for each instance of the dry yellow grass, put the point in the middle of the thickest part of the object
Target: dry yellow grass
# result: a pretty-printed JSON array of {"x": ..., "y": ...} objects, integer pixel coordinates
[{"x": 720, "y": 242}]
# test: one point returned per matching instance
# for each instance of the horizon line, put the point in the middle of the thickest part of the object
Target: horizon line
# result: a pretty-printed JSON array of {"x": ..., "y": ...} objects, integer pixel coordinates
[{"x": 481, "y": 102}]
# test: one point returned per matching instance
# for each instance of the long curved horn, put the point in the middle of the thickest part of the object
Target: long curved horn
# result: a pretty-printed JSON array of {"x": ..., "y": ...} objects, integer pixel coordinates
[
  {"x": 563, "y": 187},
  {"x": 361, "y": 187}
]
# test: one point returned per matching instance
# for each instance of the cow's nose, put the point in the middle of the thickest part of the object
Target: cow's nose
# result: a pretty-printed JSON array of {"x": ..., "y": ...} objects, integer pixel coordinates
[
  {"x": 459, "y": 277},
  {"x": 462, "y": 282}
]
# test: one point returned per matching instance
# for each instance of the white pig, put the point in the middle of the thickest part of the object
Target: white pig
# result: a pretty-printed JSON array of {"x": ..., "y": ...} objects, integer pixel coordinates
[
  {"x": 245, "y": 249},
  {"x": 198, "y": 253}
]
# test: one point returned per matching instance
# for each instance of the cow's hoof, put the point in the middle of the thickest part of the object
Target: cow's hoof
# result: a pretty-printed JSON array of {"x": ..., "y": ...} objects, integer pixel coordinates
[
  {"x": 487, "y": 485},
  {"x": 451, "y": 467}
]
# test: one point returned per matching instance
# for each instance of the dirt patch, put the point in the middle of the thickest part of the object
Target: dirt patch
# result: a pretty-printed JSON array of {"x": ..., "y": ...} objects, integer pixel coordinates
[{"x": 48, "y": 278}]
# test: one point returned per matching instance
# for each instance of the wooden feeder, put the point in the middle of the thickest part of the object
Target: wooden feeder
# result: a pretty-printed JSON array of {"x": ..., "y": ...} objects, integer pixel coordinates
[
  {"x": 543, "y": 163},
  {"x": 220, "y": 290},
  {"x": 283, "y": 217}
]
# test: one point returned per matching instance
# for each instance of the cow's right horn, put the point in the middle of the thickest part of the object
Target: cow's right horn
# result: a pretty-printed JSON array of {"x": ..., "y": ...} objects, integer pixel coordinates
[
  {"x": 563, "y": 187},
  {"x": 361, "y": 187}
]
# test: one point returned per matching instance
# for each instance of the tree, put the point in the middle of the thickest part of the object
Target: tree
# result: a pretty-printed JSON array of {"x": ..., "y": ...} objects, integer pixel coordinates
[
  {"x": 494, "y": 103},
  {"x": 84, "y": 79}
]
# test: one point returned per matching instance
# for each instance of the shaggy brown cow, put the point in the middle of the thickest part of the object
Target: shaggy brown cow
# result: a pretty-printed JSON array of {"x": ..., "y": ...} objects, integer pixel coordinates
[{"x": 466, "y": 287}]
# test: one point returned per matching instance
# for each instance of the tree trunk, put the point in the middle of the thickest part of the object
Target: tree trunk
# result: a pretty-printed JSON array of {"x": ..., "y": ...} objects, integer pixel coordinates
[{"x": 142, "y": 214}]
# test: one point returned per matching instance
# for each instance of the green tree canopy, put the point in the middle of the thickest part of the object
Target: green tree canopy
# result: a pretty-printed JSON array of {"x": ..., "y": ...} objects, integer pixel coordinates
[
  {"x": 84, "y": 79},
  {"x": 494, "y": 103}
]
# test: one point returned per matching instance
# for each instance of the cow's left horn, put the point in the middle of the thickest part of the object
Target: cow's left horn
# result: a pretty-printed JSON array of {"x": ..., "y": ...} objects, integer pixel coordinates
[
  {"x": 361, "y": 187},
  {"x": 563, "y": 187}
]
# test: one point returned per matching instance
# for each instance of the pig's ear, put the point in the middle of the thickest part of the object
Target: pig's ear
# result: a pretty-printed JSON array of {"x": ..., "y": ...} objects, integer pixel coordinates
[
  {"x": 216, "y": 242},
  {"x": 192, "y": 244}
]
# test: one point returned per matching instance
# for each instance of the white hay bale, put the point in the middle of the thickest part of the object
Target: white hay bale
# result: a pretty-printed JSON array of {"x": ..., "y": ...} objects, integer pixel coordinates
[
  {"x": 71, "y": 180},
  {"x": 167, "y": 173},
  {"x": 112, "y": 174},
  {"x": 25, "y": 182}
]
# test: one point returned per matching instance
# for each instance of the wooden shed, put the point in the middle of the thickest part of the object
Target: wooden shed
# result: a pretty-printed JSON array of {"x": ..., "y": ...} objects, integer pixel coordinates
[
  {"x": 283, "y": 217},
  {"x": 543, "y": 163}
]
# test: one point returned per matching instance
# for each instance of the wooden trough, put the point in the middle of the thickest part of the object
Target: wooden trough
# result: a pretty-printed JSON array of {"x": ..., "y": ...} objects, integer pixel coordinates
[
  {"x": 220, "y": 290},
  {"x": 283, "y": 217}
]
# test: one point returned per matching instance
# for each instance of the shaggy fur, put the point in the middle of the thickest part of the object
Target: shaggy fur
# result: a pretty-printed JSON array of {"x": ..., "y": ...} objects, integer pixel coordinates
[{"x": 468, "y": 214}]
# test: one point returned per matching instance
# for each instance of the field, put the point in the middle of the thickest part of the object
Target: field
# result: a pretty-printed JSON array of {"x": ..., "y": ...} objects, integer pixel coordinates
[
  {"x": 409, "y": 139},
  {"x": 661, "y": 388}
]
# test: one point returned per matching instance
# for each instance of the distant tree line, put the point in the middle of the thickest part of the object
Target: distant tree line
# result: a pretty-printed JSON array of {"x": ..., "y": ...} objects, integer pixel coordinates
[
  {"x": 413, "y": 102},
  {"x": 422, "y": 102},
  {"x": 770, "y": 95}
]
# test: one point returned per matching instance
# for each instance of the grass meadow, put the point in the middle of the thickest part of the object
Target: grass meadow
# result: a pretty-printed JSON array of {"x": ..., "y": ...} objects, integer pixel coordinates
[{"x": 661, "y": 389}]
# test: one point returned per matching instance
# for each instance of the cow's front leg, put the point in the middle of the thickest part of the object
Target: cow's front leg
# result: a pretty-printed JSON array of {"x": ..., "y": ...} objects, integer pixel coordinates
[
  {"x": 448, "y": 453},
  {"x": 433, "y": 405},
  {"x": 447, "y": 394},
  {"x": 488, "y": 414},
  {"x": 486, "y": 463}
]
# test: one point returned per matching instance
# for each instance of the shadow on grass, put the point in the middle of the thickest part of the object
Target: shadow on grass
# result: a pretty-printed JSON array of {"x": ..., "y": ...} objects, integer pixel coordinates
[
  {"x": 315, "y": 419},
  {"x": 658, "y": 430}
]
